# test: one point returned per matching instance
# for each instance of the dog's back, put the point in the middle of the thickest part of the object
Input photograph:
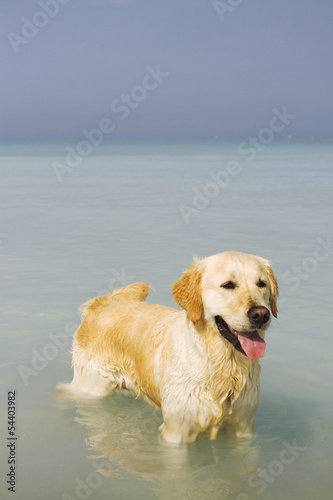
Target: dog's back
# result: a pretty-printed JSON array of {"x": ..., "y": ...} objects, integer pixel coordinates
[{"x": 111, "y": 343}]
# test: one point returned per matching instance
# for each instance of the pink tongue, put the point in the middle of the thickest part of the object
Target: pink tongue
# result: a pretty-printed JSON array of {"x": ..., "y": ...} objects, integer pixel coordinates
[{"x": 253, "y": 345}]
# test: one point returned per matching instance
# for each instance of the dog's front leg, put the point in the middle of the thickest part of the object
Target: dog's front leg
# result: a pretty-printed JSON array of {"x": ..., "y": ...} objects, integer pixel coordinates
[
  {"x": 180, "y": 421},
  {"x": 213, "y": 432},
  {"x": 185, "y": 418},
  {"x": 241, "y": 420}
]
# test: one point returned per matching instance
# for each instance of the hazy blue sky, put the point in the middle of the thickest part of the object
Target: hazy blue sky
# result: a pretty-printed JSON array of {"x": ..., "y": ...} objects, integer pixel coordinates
[{"x": 226, "y": 71}]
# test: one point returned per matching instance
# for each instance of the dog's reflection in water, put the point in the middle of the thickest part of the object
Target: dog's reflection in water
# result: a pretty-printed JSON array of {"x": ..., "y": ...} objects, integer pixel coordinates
[{"x": 122, "y": 435}]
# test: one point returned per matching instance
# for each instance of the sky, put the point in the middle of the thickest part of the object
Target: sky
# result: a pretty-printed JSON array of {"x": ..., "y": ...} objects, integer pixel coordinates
[{"x": 164, "y": 69}]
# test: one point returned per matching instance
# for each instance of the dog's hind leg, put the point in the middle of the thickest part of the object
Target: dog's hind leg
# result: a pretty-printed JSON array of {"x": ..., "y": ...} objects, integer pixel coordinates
[{"x": 89, "y": 376}]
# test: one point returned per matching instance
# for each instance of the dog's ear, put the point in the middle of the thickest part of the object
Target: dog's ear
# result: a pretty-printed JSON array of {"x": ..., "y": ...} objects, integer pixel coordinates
[
  {"x": 273, "y": 285},
  {"x": 187, "y": 291},
  {"x": 274, "y": 291}
]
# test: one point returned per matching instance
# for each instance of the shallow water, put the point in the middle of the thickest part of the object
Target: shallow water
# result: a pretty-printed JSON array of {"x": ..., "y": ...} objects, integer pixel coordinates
[{"x": 119, "y": 217}]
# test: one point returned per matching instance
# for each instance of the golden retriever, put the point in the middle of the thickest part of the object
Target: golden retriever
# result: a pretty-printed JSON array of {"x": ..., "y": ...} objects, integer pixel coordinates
[{"x": 199, "y": 365}]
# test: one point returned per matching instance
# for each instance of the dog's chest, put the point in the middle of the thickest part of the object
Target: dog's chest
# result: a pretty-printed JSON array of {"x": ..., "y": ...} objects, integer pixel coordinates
[{"x": 235, "y": 384}]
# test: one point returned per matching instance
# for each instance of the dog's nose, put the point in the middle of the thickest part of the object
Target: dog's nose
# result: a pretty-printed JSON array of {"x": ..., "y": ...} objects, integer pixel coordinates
[{"x": 259, "y": 315}]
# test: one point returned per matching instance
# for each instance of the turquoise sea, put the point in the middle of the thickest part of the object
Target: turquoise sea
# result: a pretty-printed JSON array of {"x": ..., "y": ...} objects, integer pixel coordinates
[{"x": 75, "y": 225}]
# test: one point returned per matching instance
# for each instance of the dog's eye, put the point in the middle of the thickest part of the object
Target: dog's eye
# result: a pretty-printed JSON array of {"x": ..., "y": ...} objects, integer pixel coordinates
[
  {"x": 229, "y": 285},
  {"x": 261, "y": 284}
]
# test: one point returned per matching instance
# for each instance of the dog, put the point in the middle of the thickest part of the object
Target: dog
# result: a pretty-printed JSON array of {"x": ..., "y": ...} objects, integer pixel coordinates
[{"x": 199, "y": 365}]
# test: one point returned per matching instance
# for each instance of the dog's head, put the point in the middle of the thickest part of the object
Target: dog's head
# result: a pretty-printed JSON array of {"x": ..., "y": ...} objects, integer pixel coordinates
[{"x": 233, "y": 292}]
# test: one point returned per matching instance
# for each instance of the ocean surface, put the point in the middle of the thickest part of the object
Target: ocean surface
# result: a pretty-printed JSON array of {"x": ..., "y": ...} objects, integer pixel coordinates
[{"x": 76, "y": 223}]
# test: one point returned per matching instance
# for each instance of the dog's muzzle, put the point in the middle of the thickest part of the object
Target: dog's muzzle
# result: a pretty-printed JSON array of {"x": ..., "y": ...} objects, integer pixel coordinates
[
  {"x": 248, "y": 343},
  {"x": 226, "y": 333}
]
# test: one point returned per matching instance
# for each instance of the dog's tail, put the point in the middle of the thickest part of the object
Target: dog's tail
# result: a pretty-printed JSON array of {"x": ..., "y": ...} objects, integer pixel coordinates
[{"x": 135, "y": 291}]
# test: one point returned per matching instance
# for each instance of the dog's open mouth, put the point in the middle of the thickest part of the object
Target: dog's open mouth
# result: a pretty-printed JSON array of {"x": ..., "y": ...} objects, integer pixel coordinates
[{"x": 248, "y": 343}]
